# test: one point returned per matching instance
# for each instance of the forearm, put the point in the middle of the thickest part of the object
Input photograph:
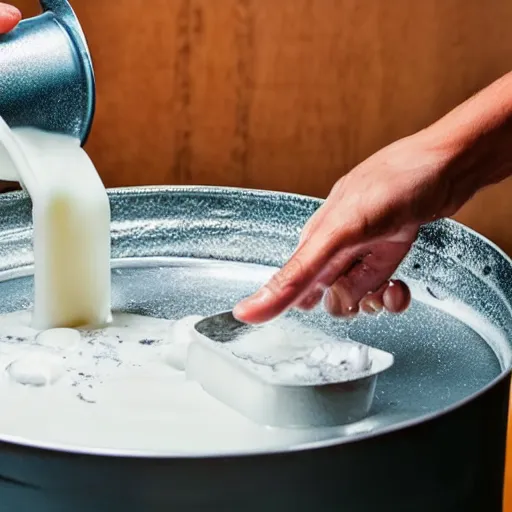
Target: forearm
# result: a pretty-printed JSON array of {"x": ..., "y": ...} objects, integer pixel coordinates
[{"x": 474, "y": 142}]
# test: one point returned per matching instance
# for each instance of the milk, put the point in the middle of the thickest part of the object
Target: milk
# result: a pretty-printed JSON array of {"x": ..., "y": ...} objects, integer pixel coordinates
[
  {"x": 117, "y": 383},
  {"x": 71, "y": 216},
  {"x": 115, "y": 388}
]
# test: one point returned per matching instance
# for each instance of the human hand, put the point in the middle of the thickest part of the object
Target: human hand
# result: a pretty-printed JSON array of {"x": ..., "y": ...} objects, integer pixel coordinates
[
  {"x": 352, "y": 245},
  {"x": 9, "y": 17}
]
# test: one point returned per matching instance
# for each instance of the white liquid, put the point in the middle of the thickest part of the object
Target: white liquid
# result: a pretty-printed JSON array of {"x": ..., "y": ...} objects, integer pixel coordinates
[
  {"x": 115, "y": 390},
  {"x": 118, "y": 387},
  {"x": 71, "y": 216},
  {"x": 36, "y": 369}
]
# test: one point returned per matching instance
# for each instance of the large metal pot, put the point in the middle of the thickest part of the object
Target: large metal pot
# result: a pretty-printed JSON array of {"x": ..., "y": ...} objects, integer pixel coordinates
[{"x": 435, "y": 440}]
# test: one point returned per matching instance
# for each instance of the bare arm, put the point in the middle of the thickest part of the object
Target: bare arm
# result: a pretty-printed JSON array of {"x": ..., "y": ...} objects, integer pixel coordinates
[
  {"x": 476, "y": 138},
  {"x": 353, "y": 244}
]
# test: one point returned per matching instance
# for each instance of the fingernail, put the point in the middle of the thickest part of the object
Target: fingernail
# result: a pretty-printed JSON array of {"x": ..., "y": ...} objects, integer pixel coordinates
[
  {"x": 260, "y": 297},
  {"x": 331, "y": 302},
  {"x": 397, "y": 298},
  {"x": 351, "y": 311},
  {"x": 375, "y": 305},
  {"x": 328, "y": 300},
  {"x": 393, "y": 298}
]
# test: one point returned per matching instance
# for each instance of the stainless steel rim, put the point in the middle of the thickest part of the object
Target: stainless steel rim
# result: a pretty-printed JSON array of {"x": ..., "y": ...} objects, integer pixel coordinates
[{"x": 296, "y": 448}]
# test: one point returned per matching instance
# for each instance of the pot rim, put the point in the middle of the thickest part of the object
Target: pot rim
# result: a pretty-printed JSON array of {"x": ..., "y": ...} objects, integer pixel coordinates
[{"x": 314, "y": 445}]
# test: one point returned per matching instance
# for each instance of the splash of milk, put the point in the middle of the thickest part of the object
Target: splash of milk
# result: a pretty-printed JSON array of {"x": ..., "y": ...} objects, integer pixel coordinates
[{"x": 71, "y": 217}]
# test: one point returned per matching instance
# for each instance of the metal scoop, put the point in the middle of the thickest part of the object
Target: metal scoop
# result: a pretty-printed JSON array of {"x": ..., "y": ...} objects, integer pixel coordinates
[
  {"x": 269, "y": 389},
  {"x": 223, "y": 327}
]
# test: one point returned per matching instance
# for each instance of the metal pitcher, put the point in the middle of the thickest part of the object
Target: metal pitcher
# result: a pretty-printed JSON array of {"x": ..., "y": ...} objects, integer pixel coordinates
[{"x": 46, "y": 74}]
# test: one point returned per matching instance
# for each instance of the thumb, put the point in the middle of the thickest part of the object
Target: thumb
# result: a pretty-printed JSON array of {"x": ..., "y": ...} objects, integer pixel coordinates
[{"x": 9, "y": 17}]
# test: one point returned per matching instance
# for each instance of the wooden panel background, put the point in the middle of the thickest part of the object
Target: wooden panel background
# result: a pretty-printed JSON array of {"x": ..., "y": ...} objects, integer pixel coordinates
[{"x": 287, "y": 94}]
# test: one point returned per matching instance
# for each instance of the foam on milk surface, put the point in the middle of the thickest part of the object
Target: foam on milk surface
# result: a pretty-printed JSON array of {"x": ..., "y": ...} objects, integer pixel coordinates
[
  {"x": 116, "y": 390},
  {"x": 287, "y": 352}
]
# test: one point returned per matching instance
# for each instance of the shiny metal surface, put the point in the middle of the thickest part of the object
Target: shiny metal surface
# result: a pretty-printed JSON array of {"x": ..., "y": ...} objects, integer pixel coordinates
[
  {"x": 46, "y": 74},
  {"x": 434, "y": 439},
  {"x": 333, "y": 399},
  {"x": 223, "y": 327},
  {"x": 211, "y": 247}
]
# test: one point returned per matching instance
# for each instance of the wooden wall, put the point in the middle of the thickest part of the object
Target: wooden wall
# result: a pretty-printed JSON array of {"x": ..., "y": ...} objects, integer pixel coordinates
[
  {"x": 286, "y": 94},
  {"x": 283, "y": 94}
]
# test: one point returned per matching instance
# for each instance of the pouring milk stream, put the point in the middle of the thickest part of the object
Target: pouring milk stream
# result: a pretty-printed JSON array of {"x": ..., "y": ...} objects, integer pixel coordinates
[{"x": 71, "y": 216}]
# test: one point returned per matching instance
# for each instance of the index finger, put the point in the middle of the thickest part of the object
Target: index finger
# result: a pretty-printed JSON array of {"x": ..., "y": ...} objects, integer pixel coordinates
[{"x": 288, "y": 284}]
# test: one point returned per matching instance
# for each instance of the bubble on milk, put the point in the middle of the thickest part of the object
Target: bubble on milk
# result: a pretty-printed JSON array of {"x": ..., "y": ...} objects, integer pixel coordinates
[
  {"x": 36, "y": 369},
  {"x": 329, "y": 362},
  {"x": 352, "y": 355}
]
